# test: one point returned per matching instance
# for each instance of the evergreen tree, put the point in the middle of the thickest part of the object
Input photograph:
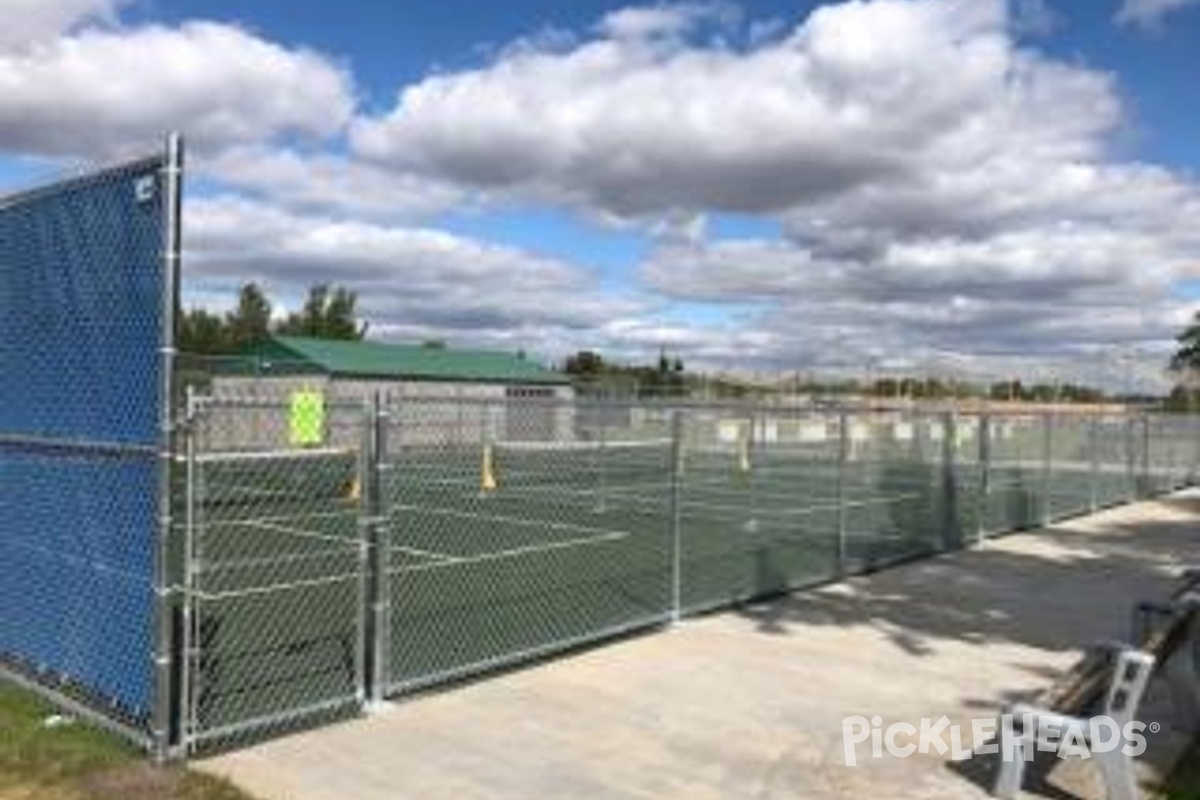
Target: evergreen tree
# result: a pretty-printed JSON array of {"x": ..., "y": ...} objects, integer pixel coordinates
[
  {"x": 250, "y": 322},
  {"x": 1187, "y": 354},
  {"x": 328, "y": 313}
]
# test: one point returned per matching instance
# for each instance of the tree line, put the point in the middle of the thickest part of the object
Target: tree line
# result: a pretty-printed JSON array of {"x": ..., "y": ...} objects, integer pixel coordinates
[
  {"x": 1185, "y": 365},
  {"x": 328, "y": 312},
  {"x": 590, "y": 369}
]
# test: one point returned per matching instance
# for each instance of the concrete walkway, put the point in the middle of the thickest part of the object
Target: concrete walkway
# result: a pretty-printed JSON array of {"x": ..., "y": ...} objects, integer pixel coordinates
[{"x": 750, "y": 704}]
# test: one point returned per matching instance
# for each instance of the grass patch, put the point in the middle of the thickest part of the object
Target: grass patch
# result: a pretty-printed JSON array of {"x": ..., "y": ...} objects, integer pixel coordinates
[{"x": 76, "y": 762}]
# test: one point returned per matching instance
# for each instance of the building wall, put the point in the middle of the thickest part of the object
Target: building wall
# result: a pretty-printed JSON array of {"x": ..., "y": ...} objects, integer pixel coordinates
[{"x": 251, "y": 412}]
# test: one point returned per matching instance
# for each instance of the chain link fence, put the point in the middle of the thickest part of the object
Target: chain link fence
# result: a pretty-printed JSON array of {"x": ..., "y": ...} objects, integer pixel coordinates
[
  {"x": 503, "y": 542},
  {"x": 423, "y": 540},
  {"x": 758, "y": 503},
  {"x": 87, "y": 281}
]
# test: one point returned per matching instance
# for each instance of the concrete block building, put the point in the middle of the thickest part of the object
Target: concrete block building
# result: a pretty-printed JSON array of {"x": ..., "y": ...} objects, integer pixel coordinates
[{"x": 437, "y": 394}]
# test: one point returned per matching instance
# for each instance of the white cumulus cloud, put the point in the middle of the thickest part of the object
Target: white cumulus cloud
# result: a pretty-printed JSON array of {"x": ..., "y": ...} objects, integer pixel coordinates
[
  {"x": 858, "y": 94},
  {"x": 75, "y": 82},
  {"x": 412, "y": 281},
  {"x": 32, "y": 23},
  {"x": 941, "y": 185}
]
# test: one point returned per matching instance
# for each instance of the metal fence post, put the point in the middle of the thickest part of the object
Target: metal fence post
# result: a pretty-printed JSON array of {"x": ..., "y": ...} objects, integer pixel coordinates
[
  {"x": 750, "y": 454},
  {"x": 1194, "y": 431},
  {"x": 676, "y": 512},
  {"x": 188, "y": 639},
  {"x": 601, "y": 465},
  {"x": 951, "y": 532},
  {"x": 1131, "y": 476},
  {"x": 365, "y": 475},
  {"x": 1147, "y": 484},
  {"x": 983, "y": 495},
  {"x": 843, "y": 456},
  {"x": 1094, "y": 463},
  {"x": 378, "y": 624},
  {"x": 164, "y": 722},
  {"x": 1047, "y": 515}
]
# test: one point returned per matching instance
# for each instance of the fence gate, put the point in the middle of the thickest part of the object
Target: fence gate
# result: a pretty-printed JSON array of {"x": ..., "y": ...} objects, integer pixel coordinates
[{"x": 274, "y": 567}]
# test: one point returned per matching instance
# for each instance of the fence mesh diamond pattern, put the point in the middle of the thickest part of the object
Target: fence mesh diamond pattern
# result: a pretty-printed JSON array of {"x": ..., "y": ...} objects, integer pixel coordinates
[
  {"x": 275, "y": 573},
  {"x": 758, "y": 504},
  {"x": 81, "y": 299},
  {"x": 506, "y": 539}
]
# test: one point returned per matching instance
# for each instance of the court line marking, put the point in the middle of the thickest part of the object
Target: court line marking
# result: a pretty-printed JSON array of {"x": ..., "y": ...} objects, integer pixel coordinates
[
  {"x": 756, "y": 500},
  {"x": 458, "y": 561},
  {"x": 279, "y": 587},
  {"x": 299, "y": 533},
  {"x": 744, "y": 508},
  {"x": 351, "y": 513},
  {"x": 233, "y": 564},
  {"x": 832, "y": 505},
  {"x": 579, "y": 503},
  {"x": 527, "y": 523},
  {"x": 471, "y": 484},
  {"x": 645, "y": 491},
  {"x": 416, "y": 551}
]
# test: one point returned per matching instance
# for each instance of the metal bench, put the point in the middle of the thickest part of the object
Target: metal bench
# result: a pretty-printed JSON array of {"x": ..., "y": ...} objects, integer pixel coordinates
[
  {"x": 1177, "y": 622},
  {"x": 1110, "y": 681}
]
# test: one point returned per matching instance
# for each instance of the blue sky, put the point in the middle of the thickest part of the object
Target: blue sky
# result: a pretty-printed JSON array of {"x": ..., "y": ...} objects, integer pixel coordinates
[
  {"x": 1157, "y": 69},
  {"x": 976, "y": 185}
]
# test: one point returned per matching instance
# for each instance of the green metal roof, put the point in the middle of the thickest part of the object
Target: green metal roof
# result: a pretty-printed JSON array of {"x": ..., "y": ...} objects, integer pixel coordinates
[{"x": 369, "y": 359}]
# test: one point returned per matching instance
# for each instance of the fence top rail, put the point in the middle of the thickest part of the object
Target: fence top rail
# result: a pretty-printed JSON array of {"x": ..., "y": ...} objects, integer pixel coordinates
[
  {"x": 343, "y": 398},
  {"x": 200, "y": 403},
  {"x": 80, "y": 177}
]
